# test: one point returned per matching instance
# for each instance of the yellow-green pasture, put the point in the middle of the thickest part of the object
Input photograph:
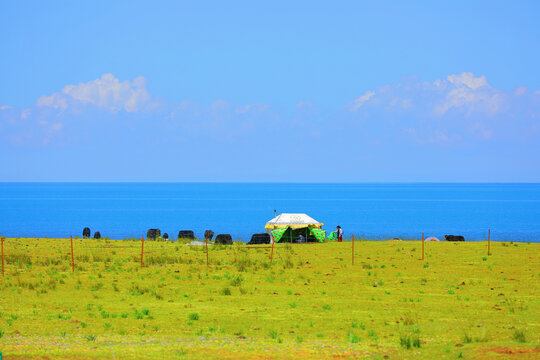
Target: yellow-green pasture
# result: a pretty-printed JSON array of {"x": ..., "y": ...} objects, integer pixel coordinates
[{"x": 310, "y": 303}]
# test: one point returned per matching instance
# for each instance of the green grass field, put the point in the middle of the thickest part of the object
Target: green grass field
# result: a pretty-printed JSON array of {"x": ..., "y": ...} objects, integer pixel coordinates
[{"x": 310, "y": 303}]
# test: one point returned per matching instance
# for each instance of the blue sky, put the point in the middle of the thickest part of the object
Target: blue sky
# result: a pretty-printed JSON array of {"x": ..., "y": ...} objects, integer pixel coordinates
[{"x": 274, "y": 91}]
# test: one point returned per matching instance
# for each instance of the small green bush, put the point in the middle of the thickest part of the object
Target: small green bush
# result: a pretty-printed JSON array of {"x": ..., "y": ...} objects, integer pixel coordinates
[
  {"x": 519, "y": 336},
  {"x": 353, "y": 338}
]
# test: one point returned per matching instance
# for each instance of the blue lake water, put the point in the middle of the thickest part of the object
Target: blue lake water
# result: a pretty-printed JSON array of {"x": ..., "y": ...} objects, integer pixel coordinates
[{"x": 377, "y": 210}]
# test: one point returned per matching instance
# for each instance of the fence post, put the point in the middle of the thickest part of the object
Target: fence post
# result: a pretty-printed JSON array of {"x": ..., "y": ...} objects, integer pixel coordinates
[
  {"x": 272, "y": 252},
  {"x": 142, "y": 250},
  {"x": 2, "y": 256},
  {"x": 489, "y": 241},
  {"x": 72, "y": 260},
  {"x": 206, "y": 242},
  {"x": 352, "y": 239},
  {"x": 422, "y": 246}
]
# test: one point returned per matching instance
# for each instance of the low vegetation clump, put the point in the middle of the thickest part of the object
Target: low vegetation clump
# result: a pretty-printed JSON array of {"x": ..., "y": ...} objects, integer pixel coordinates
[{"x": 310, "y": 301}]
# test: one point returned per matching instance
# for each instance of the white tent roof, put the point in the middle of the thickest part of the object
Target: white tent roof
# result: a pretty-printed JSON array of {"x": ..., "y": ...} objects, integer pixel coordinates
[{"x": 293, "y": 220}]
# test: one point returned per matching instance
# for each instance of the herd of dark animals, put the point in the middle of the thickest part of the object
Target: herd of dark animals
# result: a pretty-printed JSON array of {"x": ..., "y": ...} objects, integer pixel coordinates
[
  {"x": 454, "y": 238},
  {"x": 86, "y": 234},
  {"x": 225, "y": 239}
]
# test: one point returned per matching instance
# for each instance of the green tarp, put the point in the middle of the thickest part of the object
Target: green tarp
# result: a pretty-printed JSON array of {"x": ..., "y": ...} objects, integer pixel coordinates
[
  {"x": 319, "y": 234},
  {"x": 278, "y": 233}
]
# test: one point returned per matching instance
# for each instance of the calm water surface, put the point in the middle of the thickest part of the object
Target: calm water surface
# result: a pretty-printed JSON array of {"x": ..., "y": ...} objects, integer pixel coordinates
[{"x": 380, "y": 211}]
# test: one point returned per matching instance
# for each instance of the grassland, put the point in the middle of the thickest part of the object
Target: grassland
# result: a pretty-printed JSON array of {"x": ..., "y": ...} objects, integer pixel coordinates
[{"x": 310, "y": 303}]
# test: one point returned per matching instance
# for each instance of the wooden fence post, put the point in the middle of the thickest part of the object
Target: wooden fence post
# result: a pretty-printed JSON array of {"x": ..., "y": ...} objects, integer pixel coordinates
[
  {"x": 272, "y": 252},
  {"x": 142, "y": 250},
  {"x": 2, "y": 256},
  {"x": 422, "y": 246},
  {"x": 72, "y": 260},
  {"x": 352, "y": 239},
  {"x": 206, "y": 242},
  {"x": 489, "y": 241}
]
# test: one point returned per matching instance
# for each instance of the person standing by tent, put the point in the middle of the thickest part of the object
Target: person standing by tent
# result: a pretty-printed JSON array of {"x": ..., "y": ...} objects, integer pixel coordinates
[{"x": 339, "y": 234}]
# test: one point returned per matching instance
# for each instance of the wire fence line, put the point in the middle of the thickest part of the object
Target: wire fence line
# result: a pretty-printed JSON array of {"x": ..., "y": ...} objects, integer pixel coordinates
[{"x": 21, "y": 253}]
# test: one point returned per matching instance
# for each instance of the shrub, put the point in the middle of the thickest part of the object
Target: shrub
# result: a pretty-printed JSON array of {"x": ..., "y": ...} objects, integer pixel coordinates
[
  {"x": 519, "y": 336},
  {"x": 353, "y": 338},
  {"x": 237, "y": 281},
  {"x": 408, "y": 320},
  {"x": 288, "y": 264},
  {"x": 408, "y": 341},
  {"x": 356, "y": 324},
  {"x": 226, "y": 291},
  {"x": 273, "y": 334},
  {"x": 194, "y": 316}
]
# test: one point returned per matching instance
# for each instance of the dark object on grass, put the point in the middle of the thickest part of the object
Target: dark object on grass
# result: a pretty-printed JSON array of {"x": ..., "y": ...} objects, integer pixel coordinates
[
  {"x": 86, "y": 233},
  {"x": 224, "y": 239},
  {"x": 454, "y": 238},
  {"x": 186, "y": 234},
  {"x": 208, "y": 235},
  {"x": 262, "y": 238},
  {"x": 97, "y": 235},
  {"x": 166, "y": 236},
  {"x": 152, "y": 234}
]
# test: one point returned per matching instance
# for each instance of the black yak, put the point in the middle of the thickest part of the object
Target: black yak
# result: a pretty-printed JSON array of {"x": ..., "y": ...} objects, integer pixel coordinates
[
  {"x": 262, "y": 238},
  {"x": 224, "y": 239},
  {"x": 186, "y": 234},
  {"x": 152, "y": 234},
  {"x": 208, "y": 235},
  {"x": 454, "y": 238}
]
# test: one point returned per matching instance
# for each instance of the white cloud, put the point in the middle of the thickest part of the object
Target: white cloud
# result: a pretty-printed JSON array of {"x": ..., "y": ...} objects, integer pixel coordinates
[
  {"x": 357, "y": 103},
  {"x": 56, "y": 101},
  {"x": 470, "y": 94},
  {"x": 467, "y": 79},
  {"x": 458, "y": 108},
  {"x": 5, "y": 107},
  {"x": 458, "y": 92},
  {"x": 107, "y": 93},
  {"x": 522, "y": 90},
  {"x": 25, "y": 113}
]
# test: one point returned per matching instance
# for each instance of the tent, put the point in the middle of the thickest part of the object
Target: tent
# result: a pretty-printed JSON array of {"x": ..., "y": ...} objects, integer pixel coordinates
[
  {"x": 432, "y": 238},
  {"x": 290, "y": 227}
]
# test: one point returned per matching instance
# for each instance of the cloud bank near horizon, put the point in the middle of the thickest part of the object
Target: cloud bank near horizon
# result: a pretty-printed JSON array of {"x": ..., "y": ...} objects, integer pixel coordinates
[{"x": 382, "y": 127}]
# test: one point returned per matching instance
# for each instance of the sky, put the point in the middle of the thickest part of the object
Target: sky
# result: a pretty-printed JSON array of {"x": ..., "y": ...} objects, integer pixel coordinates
[{"x": 277, "y": 91}]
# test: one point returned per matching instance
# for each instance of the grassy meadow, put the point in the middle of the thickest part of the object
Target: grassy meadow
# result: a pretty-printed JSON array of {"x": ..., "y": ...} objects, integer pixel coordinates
[{"x": 310, "y": 303}]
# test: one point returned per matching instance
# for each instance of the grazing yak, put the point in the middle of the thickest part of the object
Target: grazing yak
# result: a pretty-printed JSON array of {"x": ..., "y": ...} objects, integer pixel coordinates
[
  {"x": 208, "y": 235},
  {"x": 166, "y": 236},
  {"x": 152, "y": 234},
  {"x": 97, "y": 235},
  {"x": 86, "y": 233},
  {"x": 224, "y": 239},
  {"x": 454, "y": 238},
  {"x": 186, "y": 234},
  {"x": 262, "y": 238}
]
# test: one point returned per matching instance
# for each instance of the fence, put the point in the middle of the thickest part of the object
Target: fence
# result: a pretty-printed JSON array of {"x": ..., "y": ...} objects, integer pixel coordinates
[{"x": 157, "y": 254}]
